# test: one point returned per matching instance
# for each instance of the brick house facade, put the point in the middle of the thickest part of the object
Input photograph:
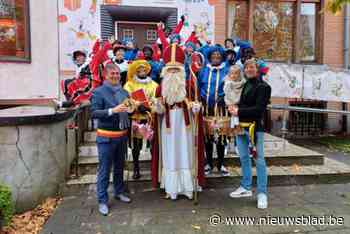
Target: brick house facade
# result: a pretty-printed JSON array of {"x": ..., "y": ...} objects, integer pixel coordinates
[
  {"x": 304, "y": 33},
  {"x": 330, "y": 45}
]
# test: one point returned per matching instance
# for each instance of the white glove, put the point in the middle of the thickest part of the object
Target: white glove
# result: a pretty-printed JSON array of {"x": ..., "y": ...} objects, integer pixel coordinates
[
  {"x": 158, "y": 106},
  {"x": 234, "y": 121},
  {"x": 196, "y": 107}
]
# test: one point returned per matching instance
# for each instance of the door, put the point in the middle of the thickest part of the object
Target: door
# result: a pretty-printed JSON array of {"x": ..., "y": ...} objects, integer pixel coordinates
[{"x": 142, "y": 33}]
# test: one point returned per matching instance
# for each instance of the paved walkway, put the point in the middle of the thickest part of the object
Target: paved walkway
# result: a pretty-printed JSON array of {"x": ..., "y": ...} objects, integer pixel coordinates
[{"x": 150, "y": 213}]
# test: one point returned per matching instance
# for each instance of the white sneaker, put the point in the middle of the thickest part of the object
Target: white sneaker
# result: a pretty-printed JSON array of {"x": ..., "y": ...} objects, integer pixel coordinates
[
  {"x": 230, "y": 148},
  {"x": 262, "y": 201},
  {"x": 207, "y": 170},
  {"x": 236, "y": 150},
  {"x": 103, "y": 209},
  {"x": 224, "y": 172},
  {"x": 241, "y": 192}
]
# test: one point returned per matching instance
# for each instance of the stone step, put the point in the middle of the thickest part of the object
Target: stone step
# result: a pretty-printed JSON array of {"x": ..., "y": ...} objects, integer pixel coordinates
[
  {"x": 90, "y": 149},
  {"x": 331, "y": 172},
  {"x": 88, "y": 165},
  {"x": 293, "y": 154},
  {"x": 272, "y": 143}
]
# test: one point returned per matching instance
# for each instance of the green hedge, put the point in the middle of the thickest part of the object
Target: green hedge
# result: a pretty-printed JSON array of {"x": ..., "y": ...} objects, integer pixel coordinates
[{"x": 6, "y": 205}]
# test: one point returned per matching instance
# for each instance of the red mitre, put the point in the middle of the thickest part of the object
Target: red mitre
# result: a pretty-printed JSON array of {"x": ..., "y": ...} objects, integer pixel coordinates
[{"x": 174, "y": 55}]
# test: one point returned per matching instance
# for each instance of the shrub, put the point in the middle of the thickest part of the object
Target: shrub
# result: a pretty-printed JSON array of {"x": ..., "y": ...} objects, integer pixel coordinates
[{"x": 6, "y": 205}]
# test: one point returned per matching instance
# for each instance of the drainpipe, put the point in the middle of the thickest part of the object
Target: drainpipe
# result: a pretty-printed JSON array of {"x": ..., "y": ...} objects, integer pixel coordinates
[
  {"x": 59, "y": 51},
  {"x": 346, "y": 35},
  {"x": 346, "y": 55}
]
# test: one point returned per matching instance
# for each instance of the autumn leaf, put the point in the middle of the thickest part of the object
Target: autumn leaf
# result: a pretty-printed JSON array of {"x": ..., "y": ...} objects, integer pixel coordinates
[{"x": 31, "y": 222}]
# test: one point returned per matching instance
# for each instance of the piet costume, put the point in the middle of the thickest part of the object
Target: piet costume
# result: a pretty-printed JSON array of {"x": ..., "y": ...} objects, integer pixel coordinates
[
  {"x": 122, "y": 63},
  {"x": 143, "y": 89},
  {"x": 79, "y": 89},
  {"x": 211, "y": 84}
]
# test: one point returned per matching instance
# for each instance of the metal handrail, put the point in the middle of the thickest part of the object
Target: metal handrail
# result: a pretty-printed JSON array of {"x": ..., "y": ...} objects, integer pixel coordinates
[
  {"x": 79, "y": 124},
  {"x": 286, "y": 108},
  {"x": 306, "y": 109}
]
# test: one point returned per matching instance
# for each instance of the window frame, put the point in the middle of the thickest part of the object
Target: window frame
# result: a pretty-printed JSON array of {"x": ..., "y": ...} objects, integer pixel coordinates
[
  {"x": 296, "y": 58},
  {"x": 152, "y": 32},
  {"x": 27, "y": 47},
  {"x": 128, "y": 30}
]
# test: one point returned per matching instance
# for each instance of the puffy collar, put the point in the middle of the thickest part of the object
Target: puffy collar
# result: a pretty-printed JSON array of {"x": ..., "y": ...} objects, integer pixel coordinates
[
  {"x": 221, "y": 66},
  {"x": 143, "y": 81},
  {"x": 119, "y": 61}
]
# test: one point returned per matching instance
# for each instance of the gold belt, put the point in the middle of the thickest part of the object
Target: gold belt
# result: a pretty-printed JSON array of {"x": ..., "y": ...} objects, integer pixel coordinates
[{"x": 251, "y": 130}]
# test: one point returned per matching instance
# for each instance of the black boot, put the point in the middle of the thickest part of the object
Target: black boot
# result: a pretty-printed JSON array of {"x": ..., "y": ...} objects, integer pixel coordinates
[
  {"x": 135, "y": 155},
  {"x": 136, "y": 174}
]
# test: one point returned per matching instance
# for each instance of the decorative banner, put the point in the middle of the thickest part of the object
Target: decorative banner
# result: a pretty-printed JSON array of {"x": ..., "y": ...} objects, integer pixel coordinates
[
  {"x": 200, "y": 18},
  {"x": 316, "y": 82},
  {"x": 321, "y": 83},
  {"x": 79, "y": 25},
  {"x": 285, "y": 80}
]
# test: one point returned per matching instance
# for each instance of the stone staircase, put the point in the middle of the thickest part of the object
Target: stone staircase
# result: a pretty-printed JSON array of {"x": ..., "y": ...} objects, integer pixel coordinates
[{"x": 287, "y": 164}]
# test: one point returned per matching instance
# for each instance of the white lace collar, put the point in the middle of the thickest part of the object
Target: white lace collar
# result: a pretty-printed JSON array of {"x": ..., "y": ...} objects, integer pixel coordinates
[{"x": 143, "y": 81}]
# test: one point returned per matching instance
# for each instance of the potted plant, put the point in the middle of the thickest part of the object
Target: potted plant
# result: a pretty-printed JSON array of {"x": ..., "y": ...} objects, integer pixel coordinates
[{"x": 6, "y": 205}]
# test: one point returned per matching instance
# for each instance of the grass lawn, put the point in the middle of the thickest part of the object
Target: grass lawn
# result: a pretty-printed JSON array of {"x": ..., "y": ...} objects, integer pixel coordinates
[{"x": 337, "y": 143}]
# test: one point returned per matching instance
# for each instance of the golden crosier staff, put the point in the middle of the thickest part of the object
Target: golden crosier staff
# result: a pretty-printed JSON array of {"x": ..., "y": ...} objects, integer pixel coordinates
[{"x": 196, "y": 128}]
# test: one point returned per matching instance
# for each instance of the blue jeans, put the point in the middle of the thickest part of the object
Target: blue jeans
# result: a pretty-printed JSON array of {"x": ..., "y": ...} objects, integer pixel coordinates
[
  {"x": 246, "y": 163},
  {"x": 111, "y": 151}
]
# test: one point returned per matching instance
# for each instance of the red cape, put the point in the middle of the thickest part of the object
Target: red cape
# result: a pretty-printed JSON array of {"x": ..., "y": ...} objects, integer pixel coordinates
[{"x": 155, "y": 150}]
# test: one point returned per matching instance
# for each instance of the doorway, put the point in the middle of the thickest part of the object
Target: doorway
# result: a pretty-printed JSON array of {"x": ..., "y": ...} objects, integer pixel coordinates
[
  {"x": 142, "y": 33},
  {"x": 137, "y": 22}
]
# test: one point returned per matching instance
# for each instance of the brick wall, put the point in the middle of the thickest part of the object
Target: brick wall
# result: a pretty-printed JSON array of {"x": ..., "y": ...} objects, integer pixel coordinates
[
  {"x": 333, "y": 48},
  {"x": 220, "y": 20},
  {"x": 333, "y": 39}
]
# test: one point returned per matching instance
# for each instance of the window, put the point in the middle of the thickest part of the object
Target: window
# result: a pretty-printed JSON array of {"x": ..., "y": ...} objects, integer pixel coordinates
[
  {"x": 128, "y": 34},
  {"x": 281, "y": 31},
  {"x": 151, "y": 35},
  {"x": 308, "y": 32},
  {"x": 273, "y": 30},
  {"x": 14, "y": 31},
  {"x": 238, "y": 23}
]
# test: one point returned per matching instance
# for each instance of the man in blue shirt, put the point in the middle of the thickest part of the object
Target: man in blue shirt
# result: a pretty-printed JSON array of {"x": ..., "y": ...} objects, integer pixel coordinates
[{"x": 107, "y": 105}]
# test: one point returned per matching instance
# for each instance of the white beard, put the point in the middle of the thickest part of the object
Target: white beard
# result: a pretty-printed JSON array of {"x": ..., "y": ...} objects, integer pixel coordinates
[{"x": 174, "y": 87}]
